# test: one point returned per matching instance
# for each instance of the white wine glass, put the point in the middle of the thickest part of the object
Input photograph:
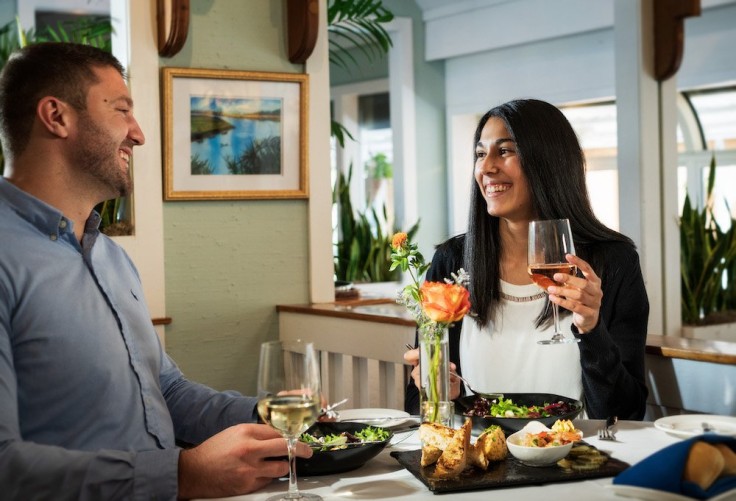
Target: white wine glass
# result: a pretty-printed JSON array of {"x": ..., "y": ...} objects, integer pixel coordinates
[
  {"x": 549, "y": 242},
  {"x": 289, "y": 398}
]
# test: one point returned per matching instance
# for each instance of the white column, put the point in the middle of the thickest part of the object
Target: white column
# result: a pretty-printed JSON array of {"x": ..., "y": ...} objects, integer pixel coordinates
[
  {"x": 647, "y": 162},
  {"x": 321, "y": 269},
  {"x": 403, "y": 118}
]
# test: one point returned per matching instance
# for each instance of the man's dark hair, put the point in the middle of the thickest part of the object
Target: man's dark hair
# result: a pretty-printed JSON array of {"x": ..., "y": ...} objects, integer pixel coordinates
[{"x": 62, "y": 70}]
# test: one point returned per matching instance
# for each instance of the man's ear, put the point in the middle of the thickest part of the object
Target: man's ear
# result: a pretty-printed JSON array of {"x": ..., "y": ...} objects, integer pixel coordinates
[{"x": 55, "y": 115}]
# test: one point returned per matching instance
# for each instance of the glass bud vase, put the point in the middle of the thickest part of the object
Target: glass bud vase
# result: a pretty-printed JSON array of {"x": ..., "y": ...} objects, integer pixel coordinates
[{"x": 434, "y": 366}]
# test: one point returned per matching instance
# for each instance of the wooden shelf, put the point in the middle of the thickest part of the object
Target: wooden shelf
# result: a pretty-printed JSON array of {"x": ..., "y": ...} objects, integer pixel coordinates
[
  {"x": 701, "y": 350},
  {"x": 386, "y": 311}
]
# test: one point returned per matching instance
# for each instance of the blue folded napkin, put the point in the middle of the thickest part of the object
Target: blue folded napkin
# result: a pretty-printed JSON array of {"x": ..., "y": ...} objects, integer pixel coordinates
[{"x": 663, "y": 470}]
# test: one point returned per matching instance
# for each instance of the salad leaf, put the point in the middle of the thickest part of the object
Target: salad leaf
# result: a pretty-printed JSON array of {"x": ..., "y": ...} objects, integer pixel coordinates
[
  {"x": 332, "y": 442},
  {"x": 371, "y": 434}
]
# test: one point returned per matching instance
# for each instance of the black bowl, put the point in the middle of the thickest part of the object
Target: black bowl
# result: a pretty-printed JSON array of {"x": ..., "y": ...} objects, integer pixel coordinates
[
  {"x": 512, "y": 425},
  {"x": 341, "y": 460}
]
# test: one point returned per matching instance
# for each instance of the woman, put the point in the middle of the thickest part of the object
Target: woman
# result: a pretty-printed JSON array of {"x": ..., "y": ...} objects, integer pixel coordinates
[{"x": 529, "y": 165}]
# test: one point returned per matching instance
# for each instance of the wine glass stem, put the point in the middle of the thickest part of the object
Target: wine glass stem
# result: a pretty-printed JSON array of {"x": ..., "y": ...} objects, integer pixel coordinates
[
  {"x": 293, "y": 489},
  {"x": 556, "y": 313}
]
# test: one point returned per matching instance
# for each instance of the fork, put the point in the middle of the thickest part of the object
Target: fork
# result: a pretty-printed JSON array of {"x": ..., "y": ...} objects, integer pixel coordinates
[
  {"x": 608, "y": 432},
  {"x": 489, "y": 396},
  {"x": 329, "y": 412}
]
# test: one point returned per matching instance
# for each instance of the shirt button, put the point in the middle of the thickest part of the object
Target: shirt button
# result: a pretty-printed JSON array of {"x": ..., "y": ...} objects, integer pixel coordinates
[
  {"x": 53, "y": 237},
  {"x": 62, "y": 224}
]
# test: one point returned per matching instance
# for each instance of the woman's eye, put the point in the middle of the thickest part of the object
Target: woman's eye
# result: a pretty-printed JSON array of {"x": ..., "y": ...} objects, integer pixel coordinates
[{"x": 480, "y": 154}]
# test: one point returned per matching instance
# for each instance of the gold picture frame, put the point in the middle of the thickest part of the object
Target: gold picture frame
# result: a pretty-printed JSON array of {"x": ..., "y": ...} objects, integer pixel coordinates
[{"x": 224, "y": 131}]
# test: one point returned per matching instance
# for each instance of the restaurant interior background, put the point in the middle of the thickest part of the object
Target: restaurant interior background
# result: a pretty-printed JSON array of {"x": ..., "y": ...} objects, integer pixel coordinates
[{"x": 218, "y": 268}]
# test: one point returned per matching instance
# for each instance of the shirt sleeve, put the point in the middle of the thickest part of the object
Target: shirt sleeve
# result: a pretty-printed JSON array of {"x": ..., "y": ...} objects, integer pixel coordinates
[
  {"x": 34, "y": 471},
  {"x": 612, "y": 354},
  {"x": 197, "y": 411}
]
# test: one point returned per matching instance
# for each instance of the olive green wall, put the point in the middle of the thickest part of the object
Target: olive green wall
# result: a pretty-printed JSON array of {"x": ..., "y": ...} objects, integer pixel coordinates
[{"x": 228, "y": 263}]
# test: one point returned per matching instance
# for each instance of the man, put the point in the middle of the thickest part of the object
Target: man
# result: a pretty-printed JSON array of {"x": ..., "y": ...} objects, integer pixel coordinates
[{"x": 90, "y": 405}]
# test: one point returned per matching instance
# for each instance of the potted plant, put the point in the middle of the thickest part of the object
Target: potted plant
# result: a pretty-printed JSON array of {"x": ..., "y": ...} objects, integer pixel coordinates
[
  {"x": 363, "y": 253},
  {"x": 708, "y": 270}
]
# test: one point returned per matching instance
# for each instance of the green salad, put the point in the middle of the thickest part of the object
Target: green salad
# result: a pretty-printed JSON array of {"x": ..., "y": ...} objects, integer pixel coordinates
[
  {"x": 337, "y": 441},
  {"x": 506, "y": 408}
]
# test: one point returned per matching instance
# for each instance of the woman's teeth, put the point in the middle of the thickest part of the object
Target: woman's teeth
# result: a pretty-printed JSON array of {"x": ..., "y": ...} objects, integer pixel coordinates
[{"x": 496, "y": 188}]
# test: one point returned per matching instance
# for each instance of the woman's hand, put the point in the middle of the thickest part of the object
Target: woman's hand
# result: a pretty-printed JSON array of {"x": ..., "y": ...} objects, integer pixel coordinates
[
  {"x": 581, "y": 295},
  {"x": 411, "y": 357}
]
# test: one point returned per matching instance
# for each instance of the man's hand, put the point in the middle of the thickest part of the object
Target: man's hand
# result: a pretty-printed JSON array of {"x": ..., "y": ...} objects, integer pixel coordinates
[{"x": 234, "y": 462}]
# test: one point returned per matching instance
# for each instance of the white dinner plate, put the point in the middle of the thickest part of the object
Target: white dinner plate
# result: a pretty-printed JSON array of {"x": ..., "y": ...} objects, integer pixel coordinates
[
  {"x": 385, "y": 418},
  {"x": 689, "y": 425},
  {"x": 632, "y": 491}
]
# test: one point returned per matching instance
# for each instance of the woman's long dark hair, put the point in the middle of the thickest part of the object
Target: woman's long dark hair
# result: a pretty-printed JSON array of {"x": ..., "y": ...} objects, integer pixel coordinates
[{"x": 554, "y": 166}]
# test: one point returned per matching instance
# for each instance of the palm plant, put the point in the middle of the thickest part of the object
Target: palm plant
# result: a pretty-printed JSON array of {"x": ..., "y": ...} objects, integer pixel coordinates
[
  {"x": 359, "y": 24},
  {"x": 707, "y": 261},
  {"x": 356, "y": 24},
  {"x": 363, "y": 252}
]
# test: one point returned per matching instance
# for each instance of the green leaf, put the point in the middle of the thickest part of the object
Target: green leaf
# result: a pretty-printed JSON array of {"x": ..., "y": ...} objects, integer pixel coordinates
[{"x": 708, "y": 259}]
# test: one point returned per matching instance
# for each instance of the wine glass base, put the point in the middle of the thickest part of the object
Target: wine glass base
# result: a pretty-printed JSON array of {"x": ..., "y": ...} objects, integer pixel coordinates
[
  {"x": 300, "y": 496},
  {"x": 560, "y": 340}
]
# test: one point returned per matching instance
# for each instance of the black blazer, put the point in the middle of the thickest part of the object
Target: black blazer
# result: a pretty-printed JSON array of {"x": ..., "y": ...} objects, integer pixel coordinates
[{"x": 611, "y": 355}]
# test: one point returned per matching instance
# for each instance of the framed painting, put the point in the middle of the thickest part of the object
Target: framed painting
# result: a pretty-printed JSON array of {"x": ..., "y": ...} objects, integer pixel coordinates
[{"x": 231, "y": 135}]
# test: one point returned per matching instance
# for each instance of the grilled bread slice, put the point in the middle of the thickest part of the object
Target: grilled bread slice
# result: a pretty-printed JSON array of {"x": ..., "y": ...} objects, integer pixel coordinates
[
  {"x": 435, "y": 439},
  {"x": 454, "y": 458},
  {"x": 430, "y": 455},
  {"x": 436, "y": 435}
]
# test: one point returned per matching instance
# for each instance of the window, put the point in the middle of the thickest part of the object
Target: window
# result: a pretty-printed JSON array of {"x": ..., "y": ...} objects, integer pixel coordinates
[
  {"x": 712, "y": 135},
  {"x": 595, "y": 125},
  {"x": 365, "y": 112},
  {"x": 705, "y": 129},
  {"x": 375, "y": 144}
]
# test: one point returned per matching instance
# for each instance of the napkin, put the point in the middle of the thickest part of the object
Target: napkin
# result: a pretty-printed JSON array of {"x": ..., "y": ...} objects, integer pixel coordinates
[{"x": 663, "y": 470}]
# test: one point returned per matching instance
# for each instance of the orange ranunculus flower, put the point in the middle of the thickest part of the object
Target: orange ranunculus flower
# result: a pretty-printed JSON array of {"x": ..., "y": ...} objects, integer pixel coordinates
[
  {"x": 399, "y": 240},
  {"x": 445, "y": 303}
]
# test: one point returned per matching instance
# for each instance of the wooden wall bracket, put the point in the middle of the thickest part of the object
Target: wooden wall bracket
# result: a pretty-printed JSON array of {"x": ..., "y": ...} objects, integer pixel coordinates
[
  {"x": 172, "y": 17},
  {"x": 302, "y": 25},
  {"x": 669, "y": 34}
]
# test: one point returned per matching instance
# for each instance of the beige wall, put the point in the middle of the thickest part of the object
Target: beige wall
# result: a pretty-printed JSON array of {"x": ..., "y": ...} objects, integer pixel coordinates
[{"x": 228, "y": 264}]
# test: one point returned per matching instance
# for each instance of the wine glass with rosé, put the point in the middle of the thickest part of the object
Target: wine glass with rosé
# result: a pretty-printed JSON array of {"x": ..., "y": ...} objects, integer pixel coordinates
[
  {"x": 289, "y": 398},
  {"x": 549, "y": 242}
]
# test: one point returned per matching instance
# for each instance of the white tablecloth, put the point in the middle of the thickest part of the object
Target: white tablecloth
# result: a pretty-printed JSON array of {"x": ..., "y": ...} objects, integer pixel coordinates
[{"x": 384, "y": 478}]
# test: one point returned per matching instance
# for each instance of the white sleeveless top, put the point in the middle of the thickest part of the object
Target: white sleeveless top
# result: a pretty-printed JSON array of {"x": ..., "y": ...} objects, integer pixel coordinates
[{"x": 505, "y": 357}]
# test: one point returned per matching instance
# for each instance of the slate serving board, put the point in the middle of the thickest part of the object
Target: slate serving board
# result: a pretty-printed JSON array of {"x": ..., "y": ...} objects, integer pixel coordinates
[{"x": 507, "y": 473}]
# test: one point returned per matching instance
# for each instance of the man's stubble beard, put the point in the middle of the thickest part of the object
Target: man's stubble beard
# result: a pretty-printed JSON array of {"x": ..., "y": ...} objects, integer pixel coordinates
[{"x": 99, "y": 159}]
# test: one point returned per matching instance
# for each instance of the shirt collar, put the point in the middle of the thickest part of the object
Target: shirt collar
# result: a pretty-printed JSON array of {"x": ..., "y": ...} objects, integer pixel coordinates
[{"x": 46, "y": 218}]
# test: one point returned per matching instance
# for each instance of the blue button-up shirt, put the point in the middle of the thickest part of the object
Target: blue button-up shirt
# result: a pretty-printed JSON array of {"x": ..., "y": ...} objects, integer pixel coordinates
[{"x": 90, "y": 404}]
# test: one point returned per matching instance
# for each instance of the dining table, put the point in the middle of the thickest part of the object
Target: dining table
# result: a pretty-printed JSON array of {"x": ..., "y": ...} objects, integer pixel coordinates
[{"x": 384, "y": 478}]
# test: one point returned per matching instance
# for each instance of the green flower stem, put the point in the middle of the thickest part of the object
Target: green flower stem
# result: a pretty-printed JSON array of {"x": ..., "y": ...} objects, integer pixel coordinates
[
  {"x": 434, "y": 391},
  {"x": 432, "y": 341}
]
